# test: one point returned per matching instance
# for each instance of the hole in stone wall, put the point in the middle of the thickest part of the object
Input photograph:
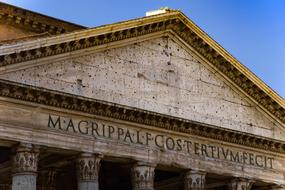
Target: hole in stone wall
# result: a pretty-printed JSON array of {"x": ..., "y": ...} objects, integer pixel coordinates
[{"x": 79, "y": 82}]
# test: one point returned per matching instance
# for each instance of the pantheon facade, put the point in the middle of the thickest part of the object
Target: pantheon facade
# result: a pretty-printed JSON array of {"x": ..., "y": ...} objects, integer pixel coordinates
[{"x": 148, "y": 103}]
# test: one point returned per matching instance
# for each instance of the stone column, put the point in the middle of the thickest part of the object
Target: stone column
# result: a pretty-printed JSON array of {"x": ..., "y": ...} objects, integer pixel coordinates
[
  {"x": 142, "y": 175},
  {"x": 47, "y": 179},
  {"x": 25, "y": 165},
  {"x": 194, "y": 180},
  {"x": 240, "y": 184},
  {"x": 88, "y": 166}
]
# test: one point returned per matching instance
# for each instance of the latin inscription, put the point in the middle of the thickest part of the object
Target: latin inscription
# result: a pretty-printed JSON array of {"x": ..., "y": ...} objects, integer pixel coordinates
[{"x": 161, "y": 141}]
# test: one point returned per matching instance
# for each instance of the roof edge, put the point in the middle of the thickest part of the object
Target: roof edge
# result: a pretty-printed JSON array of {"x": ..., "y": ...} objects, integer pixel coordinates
[{"x": 241, "y": 67}]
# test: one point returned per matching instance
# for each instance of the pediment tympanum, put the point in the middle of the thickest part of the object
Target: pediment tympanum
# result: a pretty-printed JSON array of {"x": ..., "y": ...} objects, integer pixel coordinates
[{"x": 158, "y": 75}]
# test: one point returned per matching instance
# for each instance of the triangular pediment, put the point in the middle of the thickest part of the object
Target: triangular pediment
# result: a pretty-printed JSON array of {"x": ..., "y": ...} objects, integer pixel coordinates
[
  {"x": 158, "y": 75},
  {"x": 163, "y": 64}
]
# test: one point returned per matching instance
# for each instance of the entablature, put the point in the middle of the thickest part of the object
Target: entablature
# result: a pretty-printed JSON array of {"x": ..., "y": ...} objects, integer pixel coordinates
[{"x": 13, "y": 92}]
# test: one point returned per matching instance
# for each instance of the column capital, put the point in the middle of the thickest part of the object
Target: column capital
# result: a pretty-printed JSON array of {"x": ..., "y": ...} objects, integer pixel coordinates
[
  {"x": 194, "y": 180},
  {"x": 142, "y": 175},
  {"x": 88, "y": 166},
  {"x": 26, "y": 158},
  {"x": 25, "y": 166},
  {"x": 240, "y": 184}
]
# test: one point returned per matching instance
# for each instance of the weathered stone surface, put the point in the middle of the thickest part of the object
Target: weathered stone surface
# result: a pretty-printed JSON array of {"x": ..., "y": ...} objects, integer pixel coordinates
[
  {"x": 24, "y": 182},
  {"x": 159, "y": 76}
]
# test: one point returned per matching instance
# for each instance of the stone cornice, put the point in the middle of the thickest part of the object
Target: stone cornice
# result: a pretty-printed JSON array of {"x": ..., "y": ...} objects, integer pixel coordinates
[
  {"x": 57, "y": 99},
  {"x": 174, "y": 21},
  {"x": 34, "y": 21}
]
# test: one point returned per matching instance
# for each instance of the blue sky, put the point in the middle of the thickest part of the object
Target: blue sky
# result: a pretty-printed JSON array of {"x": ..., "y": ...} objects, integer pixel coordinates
[{"x": 253, "y": 31}]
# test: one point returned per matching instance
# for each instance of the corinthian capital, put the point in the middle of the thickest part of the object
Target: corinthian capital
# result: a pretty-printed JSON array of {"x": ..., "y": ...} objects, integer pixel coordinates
[
  {"x": 240, "y": 184},
  {"x": 26, "y": 158},
  {"x": 88, "y": 166},
  {"x": 194, "y": 180},
  {"x": 143, "y": 176}
]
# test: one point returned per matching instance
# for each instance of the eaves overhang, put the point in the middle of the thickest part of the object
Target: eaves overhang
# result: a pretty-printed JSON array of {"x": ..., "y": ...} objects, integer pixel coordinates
[{"x": 174, "y": 21}]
